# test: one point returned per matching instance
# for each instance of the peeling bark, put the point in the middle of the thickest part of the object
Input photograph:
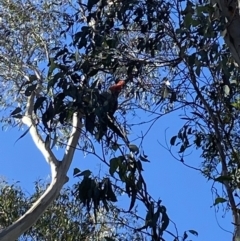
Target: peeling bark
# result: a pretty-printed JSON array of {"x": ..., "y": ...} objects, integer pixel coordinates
[
  {"x": 230, "y": 10},
  {"x": 58, "y": 171}
]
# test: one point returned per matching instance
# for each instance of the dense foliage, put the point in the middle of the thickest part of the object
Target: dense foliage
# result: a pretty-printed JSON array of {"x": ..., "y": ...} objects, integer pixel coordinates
[
  {"x": 66, "y": 219},
  {"x": 171, "y": 57}
]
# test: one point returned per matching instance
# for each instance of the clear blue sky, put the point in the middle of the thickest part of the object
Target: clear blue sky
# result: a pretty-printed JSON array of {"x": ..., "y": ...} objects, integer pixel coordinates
[{"x": 184, "y": 192}]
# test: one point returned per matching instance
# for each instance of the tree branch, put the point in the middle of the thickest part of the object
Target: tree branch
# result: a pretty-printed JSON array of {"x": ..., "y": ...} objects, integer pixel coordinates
[
  {"x": 72, "y": 141},
  {"x": 222, "y": 155},
  {"x": 230, "y": 11},
  {"x": 59, "y": 175},
  {"x": 30, "y": 120}
]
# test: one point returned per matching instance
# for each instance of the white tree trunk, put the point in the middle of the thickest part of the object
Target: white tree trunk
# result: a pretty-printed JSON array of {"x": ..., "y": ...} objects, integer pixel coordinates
[{"x": 59, "y": 171}]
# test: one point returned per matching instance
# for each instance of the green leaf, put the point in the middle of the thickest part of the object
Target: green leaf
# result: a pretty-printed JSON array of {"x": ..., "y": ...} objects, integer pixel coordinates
[
  {"x": 85, "y": 173},
  {"x": 193, "y": 232},
  {"x": 165, "y": 220},
  {"x": 122, "y": 169},
  {"x": 188, "y": 20},
  {"x": 111, "y": 43},
  {"x": 139, "y": 166},
  {"x": 52, "y": 67},
  {"x": 223, "y": 179},
  {"x": 182, "y": 149},
  {"x": 114, "y": 164},
  {"x": 142, "y": 158},
  {"x": 173, "y": 140},
  {"x": 61, "y": 52},
  {"x": 76, "y": 171},
  {"x": 133, "y": 148},
  {"x": 85, "y": 67},
  {"x": 148, "y": 219},
  {"x": 38, "y": 103},
  {"x": 90, "y": 122},
  {"x": 191, "y": 59},
  {"x": 53, "y": 80},
  {"x": 109, "y": 191},
  {"x": 82, "y": 42},
  {"x": 198, "y": 140},
  {"x": 33, "y": 77},
  {"x": 115, "y": 146},
  {"x": 16, "y": 111},
  {"x": 156, "y": 216},
  {"x": 23, "y": 134},
  {"x": 76, "y": 38},
  {"x": 173, "y": 97},
  {"x": 185, "y": 236},
  {"x": 133, "y": 200},
  {"x": 188, "y": 9},
  {"x": 109, "y": 239},
  {"x": 219, "y": 200},
  {"x": 198, "y": 70},
  {"x": 236, "y": 105},
  {"x": 30, "y": 89},
  {"x": 93, "y": 72}
]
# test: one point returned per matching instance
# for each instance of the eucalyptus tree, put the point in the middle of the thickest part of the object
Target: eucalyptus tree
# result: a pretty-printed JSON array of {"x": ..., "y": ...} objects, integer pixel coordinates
[
  {"x": 167, "y": 55},
  {"x": 66, "y": 218},
  {"x": 28, "y": 32},
  {"x": 171, "y": 54},
  {"x": 60, "y": 104}
]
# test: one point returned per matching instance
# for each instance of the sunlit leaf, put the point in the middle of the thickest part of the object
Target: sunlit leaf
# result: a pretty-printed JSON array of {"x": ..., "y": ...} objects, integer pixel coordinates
[{"x": 226, "y": 90}]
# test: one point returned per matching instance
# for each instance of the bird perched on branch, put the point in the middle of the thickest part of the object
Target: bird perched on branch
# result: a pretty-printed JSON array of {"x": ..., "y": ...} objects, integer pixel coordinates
[
  {"x": 117, "y": 87},
  {"x": 104, "y": 111},
  {"x": 110, "y": 104},
  {"x": 110, "y": 97}
]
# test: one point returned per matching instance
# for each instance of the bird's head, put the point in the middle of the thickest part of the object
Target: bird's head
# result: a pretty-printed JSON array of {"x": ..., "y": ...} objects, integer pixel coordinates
[{"x": 116, "y": 89}]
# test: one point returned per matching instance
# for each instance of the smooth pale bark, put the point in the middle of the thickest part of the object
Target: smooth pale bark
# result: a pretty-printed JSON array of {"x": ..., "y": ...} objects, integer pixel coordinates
[
  {"x": 59, "y": 171},
  {"x": 230, "y": 10}
]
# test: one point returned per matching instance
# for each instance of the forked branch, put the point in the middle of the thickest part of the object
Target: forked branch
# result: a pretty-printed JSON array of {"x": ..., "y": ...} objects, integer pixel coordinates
[{"x": 58, "y": 171}]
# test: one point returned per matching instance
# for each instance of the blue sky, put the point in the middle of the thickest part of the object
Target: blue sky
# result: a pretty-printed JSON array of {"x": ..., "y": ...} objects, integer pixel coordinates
[{"x": 185, "y": 193}]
